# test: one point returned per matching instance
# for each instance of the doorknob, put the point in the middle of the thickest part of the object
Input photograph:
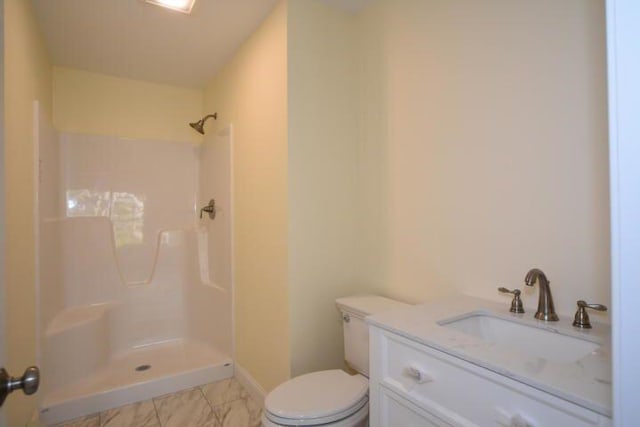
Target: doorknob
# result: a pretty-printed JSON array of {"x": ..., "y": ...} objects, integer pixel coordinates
[{"x": 28, "y": 382}]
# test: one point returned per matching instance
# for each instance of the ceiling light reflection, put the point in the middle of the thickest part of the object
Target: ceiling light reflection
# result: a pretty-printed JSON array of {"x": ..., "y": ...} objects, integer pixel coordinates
[{"x": 183, "y": 6}]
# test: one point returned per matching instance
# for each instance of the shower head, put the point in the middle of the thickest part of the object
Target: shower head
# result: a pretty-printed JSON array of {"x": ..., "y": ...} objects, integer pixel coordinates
[{"x": 199, "y": 125}]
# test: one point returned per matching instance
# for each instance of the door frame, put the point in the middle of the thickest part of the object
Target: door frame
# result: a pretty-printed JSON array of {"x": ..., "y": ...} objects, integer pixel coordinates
[
  {"x": 623, "y": 51},
  {"x": 3, "y": 354}
]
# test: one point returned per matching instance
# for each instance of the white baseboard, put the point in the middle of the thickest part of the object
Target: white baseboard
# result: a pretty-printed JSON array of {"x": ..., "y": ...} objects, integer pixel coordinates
[{"x": 254, "y": 389}]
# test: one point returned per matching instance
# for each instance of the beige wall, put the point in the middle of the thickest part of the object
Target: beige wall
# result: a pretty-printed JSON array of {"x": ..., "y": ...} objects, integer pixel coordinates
[
  {"x": 323, "y": 158},
  {"x": 103, "y": 105},
  {"x": 484, "y": 149},
  {"x": 27, "y": 78},
  {"x": 432, "y": 148},
  {"x": 251, "y": 93}
]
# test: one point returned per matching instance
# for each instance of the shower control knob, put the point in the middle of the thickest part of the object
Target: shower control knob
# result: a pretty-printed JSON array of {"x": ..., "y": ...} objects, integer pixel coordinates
[
  {"x": 210, "y": 209},
  {"x": 28, "y": 382}
]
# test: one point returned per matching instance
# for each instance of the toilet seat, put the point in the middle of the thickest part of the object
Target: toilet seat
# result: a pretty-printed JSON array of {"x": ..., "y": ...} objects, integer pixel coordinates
[
  {"x": 358, "y": 419},
  {"x": 317, "y": 398}
]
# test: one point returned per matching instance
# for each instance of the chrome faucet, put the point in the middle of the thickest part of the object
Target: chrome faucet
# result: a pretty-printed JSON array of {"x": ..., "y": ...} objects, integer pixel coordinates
[{"x": 546, "y": 311}]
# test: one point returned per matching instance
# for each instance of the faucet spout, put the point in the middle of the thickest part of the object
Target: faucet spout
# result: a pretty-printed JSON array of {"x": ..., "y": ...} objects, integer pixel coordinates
[{"x": 546, "y": 310}]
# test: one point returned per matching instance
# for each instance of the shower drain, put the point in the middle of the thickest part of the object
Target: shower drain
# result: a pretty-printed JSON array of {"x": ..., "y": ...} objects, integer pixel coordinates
[{"x": 143, "y": 368}]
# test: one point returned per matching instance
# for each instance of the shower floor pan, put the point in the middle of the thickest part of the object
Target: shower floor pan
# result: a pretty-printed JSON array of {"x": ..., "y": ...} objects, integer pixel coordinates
[{"x": 162, "y": 369}]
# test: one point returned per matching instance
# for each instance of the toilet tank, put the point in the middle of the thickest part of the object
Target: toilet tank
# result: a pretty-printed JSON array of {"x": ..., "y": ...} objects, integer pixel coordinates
[{"x": 356, "y": 331}]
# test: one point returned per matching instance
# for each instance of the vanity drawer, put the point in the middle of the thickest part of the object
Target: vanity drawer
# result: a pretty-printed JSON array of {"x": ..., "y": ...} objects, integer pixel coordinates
[{"x": 463, "y": 394}]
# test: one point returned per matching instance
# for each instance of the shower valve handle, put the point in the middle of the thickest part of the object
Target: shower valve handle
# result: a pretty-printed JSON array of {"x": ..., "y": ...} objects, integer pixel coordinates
[{"x": 210, "y": 209}]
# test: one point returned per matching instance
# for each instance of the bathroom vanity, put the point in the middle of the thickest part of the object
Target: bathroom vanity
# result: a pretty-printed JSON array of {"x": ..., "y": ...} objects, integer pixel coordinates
[{"x": 469, "y": 362}]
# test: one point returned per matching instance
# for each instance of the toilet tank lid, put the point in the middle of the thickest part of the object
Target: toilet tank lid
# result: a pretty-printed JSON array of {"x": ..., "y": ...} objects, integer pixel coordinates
[{"x": 365, "y": 305}]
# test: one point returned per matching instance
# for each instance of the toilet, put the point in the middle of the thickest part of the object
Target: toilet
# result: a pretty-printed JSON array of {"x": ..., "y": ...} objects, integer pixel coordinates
[{"x": 332, "y": 398}]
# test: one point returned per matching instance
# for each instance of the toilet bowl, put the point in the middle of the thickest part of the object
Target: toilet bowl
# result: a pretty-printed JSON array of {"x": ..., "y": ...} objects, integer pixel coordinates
[
  {"x": 328, "y": 398},
  {"x": 332, "y": 398}
]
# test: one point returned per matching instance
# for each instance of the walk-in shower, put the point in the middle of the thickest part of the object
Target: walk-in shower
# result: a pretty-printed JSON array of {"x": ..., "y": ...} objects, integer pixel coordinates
[{"x": 135, "y": 291}]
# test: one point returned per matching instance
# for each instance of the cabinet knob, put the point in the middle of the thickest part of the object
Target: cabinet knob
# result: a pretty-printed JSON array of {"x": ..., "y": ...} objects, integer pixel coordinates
[
  {"x": 504, "y": 419},
  {"x": 417, "y": 374}
]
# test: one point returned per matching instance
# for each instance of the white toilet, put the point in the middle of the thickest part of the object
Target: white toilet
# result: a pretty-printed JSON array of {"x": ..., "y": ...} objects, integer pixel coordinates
[{"x": 332, "y": 398}]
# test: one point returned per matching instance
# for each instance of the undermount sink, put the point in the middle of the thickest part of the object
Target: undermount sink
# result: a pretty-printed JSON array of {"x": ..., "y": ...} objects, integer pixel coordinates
[{"x": 533, "y": 341}]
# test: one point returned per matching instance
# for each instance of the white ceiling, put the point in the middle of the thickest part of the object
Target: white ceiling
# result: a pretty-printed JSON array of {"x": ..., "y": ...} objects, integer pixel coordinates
[{"x": 132, "y": 39}]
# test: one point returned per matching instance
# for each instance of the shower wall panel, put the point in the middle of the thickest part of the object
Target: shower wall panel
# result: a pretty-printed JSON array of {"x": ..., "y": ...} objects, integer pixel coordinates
[
  {"x": 215, "y": 239},
  {"x": 117, "y": 248},
  {"x": 142, "y": 186}
]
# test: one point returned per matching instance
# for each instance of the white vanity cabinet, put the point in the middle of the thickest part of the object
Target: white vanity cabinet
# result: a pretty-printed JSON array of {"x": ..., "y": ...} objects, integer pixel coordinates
[{"x": 414, "y": 385}]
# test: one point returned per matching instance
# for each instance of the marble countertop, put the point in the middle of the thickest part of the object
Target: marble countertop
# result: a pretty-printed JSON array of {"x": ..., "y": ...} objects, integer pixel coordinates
[{"x": 586, "y": 382}]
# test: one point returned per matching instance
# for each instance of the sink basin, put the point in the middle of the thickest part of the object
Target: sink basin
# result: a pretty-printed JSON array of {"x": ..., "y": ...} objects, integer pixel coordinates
[{"x": 530, "y": 340}]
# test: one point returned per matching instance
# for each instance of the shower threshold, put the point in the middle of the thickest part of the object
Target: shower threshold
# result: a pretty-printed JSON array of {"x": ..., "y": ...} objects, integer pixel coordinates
[{"x": 136, "y": 375}]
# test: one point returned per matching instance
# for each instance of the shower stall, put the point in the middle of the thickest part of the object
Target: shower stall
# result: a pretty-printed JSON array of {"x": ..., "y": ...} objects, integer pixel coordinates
[{"x": 135, "y": 289}]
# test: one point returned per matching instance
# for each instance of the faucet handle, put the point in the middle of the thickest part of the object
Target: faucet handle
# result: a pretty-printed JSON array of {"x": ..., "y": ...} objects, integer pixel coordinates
[
  {"x": 581, "y": 319},
  {"x": 516, "y": 303}
]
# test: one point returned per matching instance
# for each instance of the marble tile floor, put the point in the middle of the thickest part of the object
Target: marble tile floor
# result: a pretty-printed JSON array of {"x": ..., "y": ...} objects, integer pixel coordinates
[{"x": 221, "y": 404}]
